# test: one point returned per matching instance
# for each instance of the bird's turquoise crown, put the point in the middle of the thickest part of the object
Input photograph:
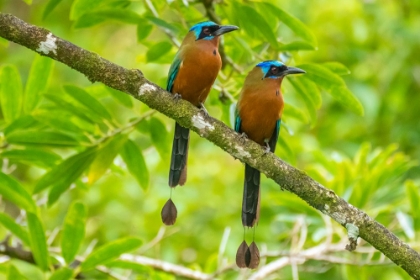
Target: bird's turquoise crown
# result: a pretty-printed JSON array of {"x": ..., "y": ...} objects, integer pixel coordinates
[
  {"x": 266, "y": 65},
  {"x": 197, "y": 28}
]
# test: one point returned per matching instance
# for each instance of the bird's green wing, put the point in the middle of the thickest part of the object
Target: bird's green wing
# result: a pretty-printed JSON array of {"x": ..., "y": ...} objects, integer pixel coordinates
[{"x": 173, "y": 71}]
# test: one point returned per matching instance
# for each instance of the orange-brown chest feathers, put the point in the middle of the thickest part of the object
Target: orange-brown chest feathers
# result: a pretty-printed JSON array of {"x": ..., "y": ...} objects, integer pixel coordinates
[
  {"x": 198, "y": 70},
  {"x": 260, "y": 106}
]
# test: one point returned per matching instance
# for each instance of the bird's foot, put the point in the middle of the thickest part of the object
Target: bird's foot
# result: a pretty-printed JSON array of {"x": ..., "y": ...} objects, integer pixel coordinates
[
  {"x": 203, "y": 109},
  {"x": 177, "y": 96},
  {"x": 243, "y": 137},
  {"x": 266, "y": 148}
]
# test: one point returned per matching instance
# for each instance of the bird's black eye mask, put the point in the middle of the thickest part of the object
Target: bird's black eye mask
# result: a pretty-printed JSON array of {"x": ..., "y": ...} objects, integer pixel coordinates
[
  {"x": 207, "y": 32},
  {"x": 275, "y": 71}
]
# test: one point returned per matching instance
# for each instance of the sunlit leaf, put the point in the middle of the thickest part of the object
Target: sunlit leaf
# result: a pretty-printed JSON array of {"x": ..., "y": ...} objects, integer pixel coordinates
[
  {"x": 105, "y": 155},
  {"x": 82, "y": 113},
  {"x": 32, "y": 155},
  {"x": 337, "y": 67},
  {"x": 50, "y": 7},
  {"x": 66, "y": 172},
  {"x": 135, "y": 162},
  {"x": 41, "y": 138},
  {"x": 96, "y": 16},
  {"x": 162, "y": 24},
  {"x": 292, "y": 22},
  {"x": 37, "y": 81},
  {"x": 143, "y": 31},
  {"x": 311, "y": 91},
  {"x": 13, "y": 191},
  {"x": 158, "y": 50},
  {"x": 347, "y": 99},
  {"x": 88, "y": 101},
  {"x": 295, "y": 113},
  {"x": 413, "y": 195},
  {"x": 63, "y": 273},
  {"x": 73, "y": 167},
  {"x": 406, "y": 223},
  {"x": 11, "y": 93},
  {"x": 73, "y": 231},
  {"x": 297, "y": 46},
  {"x": 14, "y": 274},
  {"x": 310, "y": 106},
  {"x": 79, "y": 7},
  {"x": 38, "y": 241},
  {"x": 258, "y": 23},
  {"x": 15, "y": 228},
  {"x": 22, "y": 123},
  {"x": 110, "y": 251}
]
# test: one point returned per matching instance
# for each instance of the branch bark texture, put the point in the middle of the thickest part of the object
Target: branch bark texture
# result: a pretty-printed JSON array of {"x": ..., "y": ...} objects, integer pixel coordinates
[{"x": 133, "y": 82}]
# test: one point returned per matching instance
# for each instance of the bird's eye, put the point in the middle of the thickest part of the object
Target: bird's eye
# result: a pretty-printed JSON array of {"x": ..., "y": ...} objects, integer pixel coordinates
[
  {"x": 274, "y": 69},
  {"x": 206, "y": 31}
]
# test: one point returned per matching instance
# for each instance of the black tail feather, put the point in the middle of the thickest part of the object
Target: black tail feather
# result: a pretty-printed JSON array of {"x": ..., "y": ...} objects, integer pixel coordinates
[
  {"x": 251, "y": 199},
  {"x": 178, "y": 168}
]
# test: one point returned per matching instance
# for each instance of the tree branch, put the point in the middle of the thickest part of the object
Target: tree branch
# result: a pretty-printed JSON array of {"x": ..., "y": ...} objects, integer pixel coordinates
[{"x": 134, "y": 83}]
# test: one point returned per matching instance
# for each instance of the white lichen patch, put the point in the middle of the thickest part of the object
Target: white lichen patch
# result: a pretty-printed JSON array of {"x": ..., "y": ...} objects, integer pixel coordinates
[
  {"x": 241, "y": 153},
  {"x": 199, "y": 122},
  {"x": 352, "y": 231},
  {"x": 146, "y": 88},
  {"x": 48, "y": 45}
]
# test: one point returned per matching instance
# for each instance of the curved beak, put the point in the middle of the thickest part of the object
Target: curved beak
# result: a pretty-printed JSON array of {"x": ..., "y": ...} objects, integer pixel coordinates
[
  {"x": 225, "y": 29},
  {"x": 292, "y": 70}
]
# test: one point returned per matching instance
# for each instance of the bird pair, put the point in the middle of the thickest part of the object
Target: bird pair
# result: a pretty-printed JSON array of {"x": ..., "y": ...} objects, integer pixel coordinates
[{"x": 258, "y": 114}]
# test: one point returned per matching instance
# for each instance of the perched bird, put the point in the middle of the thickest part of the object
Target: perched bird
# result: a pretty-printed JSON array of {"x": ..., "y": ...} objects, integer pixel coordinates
[
  {"x": 258, "y": 116},
  {"x": 191, "y": 77}
]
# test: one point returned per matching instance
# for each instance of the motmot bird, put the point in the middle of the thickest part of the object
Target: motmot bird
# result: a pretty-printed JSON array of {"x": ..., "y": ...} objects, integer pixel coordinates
[
  {"x": 258, "y": 116},
  {"x": 191, "y": 77}
]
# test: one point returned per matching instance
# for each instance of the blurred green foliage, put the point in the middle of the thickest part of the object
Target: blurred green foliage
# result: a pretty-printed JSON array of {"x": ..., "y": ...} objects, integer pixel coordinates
[{"x": 89, "y": 164}]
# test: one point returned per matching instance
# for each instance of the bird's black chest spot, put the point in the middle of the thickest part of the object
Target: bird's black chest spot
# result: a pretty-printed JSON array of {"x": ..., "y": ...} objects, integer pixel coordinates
[
  {"x": 277, "y": 92},
  {"x": 214, "y": 52}
]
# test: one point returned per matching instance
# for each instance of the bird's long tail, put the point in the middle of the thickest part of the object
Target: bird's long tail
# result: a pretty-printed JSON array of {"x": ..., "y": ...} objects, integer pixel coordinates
[
  {"x": 178, "y": 169},
  {"x": 251, "y": 199}
]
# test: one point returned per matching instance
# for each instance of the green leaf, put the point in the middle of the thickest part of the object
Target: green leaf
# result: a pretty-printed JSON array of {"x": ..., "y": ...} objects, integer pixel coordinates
[
  {"x": 73, "y": 169},
  {"x": 32, "y": 155},
  {"x": 292, "y": 22},
  {"x": 92, "y": 18},
  {"x": 80, "y": 7},
  {"x": 135, "y": 162},
  {"x": 110, "y": 251},
  {"x": 105, "y": 156},
  {"x": 301, "y": 91},
  {"x": 38, "y": 241},
  {"x": 11, "y": 93},
  {"x": 22, "y": 123},
  {"x": 88, "y": 101},
  {"x": 37, "y": 81},
  {"x": 347, "y": 99},
  {"x": 406, "y": 223},
  {"x": 50, "y": 7},
  {"x": 63, "y": 273},
  {"x": 162, "y": 24},
  {"x": 322, "y": 76},
  {"x": 143, "y": 31},
  {"x": 413, "y": 194},
  {"x": 82, "y": 113},
  {"x": 73, "y": 231},
  {"x": 311, "y": 91},
  {"x": 337, "y": 68},
  {"x": 297, "y": 46},
  {"x": 292, "y": 111},
  {"x": 14, "y": 228},
  {"x": 158, "y": 50},
  {"x": 14, "y": 274},
  {"x": 259, "y": 24},
  {"x": 67, "y": 171},
  {"x": 122, "y": 97},
  {"x": 159, "y": 136},
  {"x": 29, "y": 2},
  {"x": 12, "y": 190},
  {"x": 41, "y": 138}
]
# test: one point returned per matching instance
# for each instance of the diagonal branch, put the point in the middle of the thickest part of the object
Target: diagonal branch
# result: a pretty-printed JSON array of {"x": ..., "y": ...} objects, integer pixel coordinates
[{"x": 289, "y": 178}]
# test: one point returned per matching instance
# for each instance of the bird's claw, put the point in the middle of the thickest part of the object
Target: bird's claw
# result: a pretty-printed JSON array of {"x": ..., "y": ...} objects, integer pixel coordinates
[
  {"x": 203, "y": 110},
  {"x": 266, "y": 148},
  {"x": 243, "y": 137},
  {"x": 177, "y": 96}
]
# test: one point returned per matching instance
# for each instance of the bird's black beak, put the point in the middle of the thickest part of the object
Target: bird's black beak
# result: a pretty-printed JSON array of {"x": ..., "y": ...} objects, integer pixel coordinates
[
  {"x": 292, "y": 70},
  {"x": 225, "y": 29}
]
